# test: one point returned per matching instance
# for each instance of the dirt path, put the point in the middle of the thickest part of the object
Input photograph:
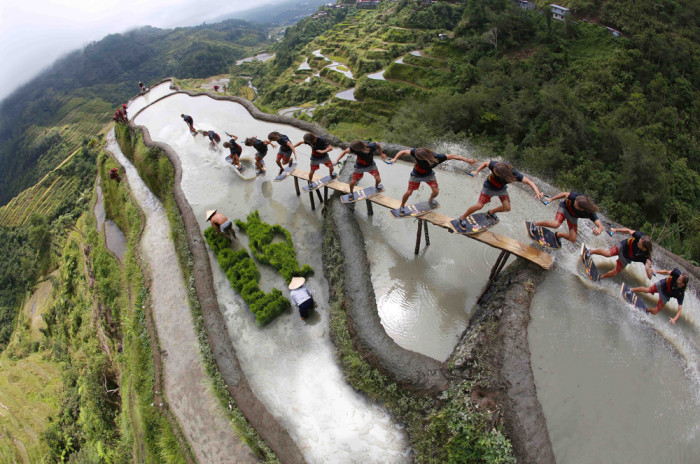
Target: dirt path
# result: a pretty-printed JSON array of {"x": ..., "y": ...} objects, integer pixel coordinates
[{"x": 191, "y": 399}]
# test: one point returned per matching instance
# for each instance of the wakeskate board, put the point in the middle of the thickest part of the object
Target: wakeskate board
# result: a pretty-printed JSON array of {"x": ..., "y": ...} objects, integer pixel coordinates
[
  {"x": 362, "y": 194},
  {"x": 476, "y": 223},
  {"x": 633, "y": 298},
  {"x": 544, "y": 237},
  {"x": 248, "y": 171},
  {"x": 317, "y": 184},
  {"x": 588, "y": 264},
  {"x": 417, "y": 209},
  {"x": 287, "y": 171}
]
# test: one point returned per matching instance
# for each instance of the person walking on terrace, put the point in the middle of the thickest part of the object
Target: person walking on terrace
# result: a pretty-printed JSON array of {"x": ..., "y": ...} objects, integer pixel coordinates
[{"x": 425, "y": 161}]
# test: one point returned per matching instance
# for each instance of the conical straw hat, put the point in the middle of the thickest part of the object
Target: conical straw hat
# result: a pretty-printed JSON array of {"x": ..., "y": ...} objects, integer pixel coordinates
[
  {"x": 296, "y": 283},
  {"x": 210, "y": 213}
]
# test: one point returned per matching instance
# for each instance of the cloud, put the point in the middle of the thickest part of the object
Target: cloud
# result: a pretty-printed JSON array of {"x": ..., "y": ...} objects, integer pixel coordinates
[{"x": 35, "y": 33}]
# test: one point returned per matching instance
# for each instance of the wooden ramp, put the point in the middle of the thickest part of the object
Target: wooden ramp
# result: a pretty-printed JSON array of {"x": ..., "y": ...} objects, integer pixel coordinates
[{"x": 507, "y": 244}]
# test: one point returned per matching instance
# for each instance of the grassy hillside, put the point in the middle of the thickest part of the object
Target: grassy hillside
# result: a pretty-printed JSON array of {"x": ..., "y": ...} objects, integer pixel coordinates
[
  {"x": 46, "y": 119},
  {"x": 614, "y": 117}
]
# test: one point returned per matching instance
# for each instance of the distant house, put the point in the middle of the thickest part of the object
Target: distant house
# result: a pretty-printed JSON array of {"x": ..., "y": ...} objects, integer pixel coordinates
[
  {"x": 444, "y": 36},
  {"x": 559, "y": 12},
  {"x": 613, "y": 32},
  {"x": 526, "y": 5},
  {"x": 367, "y": 4}
]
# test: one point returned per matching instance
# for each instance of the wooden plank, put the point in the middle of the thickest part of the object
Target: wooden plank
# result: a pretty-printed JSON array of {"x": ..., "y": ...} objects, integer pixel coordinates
[{"x": 492, "y": 239}]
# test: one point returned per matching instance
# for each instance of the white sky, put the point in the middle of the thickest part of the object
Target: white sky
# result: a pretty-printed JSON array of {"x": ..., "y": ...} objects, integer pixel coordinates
[{"x": 34, "y": 33}]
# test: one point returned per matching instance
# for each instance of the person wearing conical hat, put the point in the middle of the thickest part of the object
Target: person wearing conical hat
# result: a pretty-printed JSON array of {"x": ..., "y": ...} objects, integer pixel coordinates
[
  {"x": 301, "y": 296},
  {"x": 222, "y": 224}
]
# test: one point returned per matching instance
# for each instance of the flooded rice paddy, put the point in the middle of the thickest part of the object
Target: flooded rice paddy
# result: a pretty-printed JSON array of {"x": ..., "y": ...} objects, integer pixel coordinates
[{"x": 615, "y": 386}]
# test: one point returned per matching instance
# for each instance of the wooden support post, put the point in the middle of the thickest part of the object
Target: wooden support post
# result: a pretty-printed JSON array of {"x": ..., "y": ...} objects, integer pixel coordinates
[
  {"x": 320, "y": 198},
  {"x": 325, "y": 193},
  {"x": 311, "y": 197},
  {"x": 370, "y": 211},
  {"x": 420, "y": 229},
  {"x": 495, "y": 272},
  {"x": 296, "y": 185},
  {"x": 427, "y": 237}
]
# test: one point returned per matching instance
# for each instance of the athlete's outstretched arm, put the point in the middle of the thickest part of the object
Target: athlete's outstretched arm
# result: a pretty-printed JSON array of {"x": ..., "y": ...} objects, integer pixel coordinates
[
  {"x": 624, "y": 230},
  {"x": 342, "y": 153},
  {"x": 560, "y": 195},
  {"x": 461, "y": 158},
  {"x": 673, "y": 320},
  {"x": 534, "y": 188},
  {"x": 481, "y": 166},
  {"x": 400, "y": 154}
]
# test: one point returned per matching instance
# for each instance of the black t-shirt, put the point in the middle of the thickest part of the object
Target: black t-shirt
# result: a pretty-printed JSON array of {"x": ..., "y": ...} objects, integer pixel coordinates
[
  {"x": 630, "y": 248},
  {"x": 214, "y": 136},
  {"x": 188, "y": 119},
  {"x": 284, "y": 141},
  {"x": 495, "y": 182},
  {"x": 569, "y": 203},
  {"x": 366, "y": 159},
  {"x": 424, "y": 168},
  {"x": 235, "y": 148},
  {"x": 260, "y": 146},
  {"x": 319, "y": 144},
  {"x": 671, "y": 289}
]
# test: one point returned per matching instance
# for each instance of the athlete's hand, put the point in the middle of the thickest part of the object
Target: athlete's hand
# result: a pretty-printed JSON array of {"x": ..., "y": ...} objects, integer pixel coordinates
[
  {"x": 672, "y": 320},
  {"x": 473, "y": 173},
  {"x": 539, "y": 195}
]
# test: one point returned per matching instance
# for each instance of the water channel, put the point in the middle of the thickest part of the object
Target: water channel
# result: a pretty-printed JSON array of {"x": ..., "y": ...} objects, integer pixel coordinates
[
  {"x": 581, "y": 335},
  {"x": 290, "y": 364},
  {"x": 114, "y": 238}
]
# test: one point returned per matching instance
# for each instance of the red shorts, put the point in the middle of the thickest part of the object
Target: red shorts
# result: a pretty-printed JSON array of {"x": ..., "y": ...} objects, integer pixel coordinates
[
  {"x": 315, "y": 167},
  {"x": 283, "y": 157},
  {"x": 560, "y": 218},
  {"x": 652, "y": 289},
  {"x": 414, "y": 185},
  {"x": 483, "y": 198},
  {"x": 358, "y": 175},
  {"x": 619, "y": 264}
]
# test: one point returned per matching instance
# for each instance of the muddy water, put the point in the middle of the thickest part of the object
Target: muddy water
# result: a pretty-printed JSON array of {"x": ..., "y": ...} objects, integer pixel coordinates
[
  {"x": 425, "y": 301},
  {"x": 114, "y": 238},
  {"x": 186, "y": 385},
  {"x": 615, "y": 385},
  {"x": 140, "y": 102},
  {"x": 290, "y": 364}
]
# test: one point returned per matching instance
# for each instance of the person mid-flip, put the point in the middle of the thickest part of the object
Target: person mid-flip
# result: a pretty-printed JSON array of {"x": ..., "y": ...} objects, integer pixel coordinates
[
  {"x": 671, "y": 287},
  {"x": 574, "y": 207},
  {"x": 634, "y": 249}
]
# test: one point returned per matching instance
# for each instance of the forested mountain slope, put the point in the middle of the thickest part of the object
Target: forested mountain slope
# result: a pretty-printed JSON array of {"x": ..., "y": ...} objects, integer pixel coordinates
[
  {"x": 615, "y": 117},
  {"x": 46, "y": 119}
]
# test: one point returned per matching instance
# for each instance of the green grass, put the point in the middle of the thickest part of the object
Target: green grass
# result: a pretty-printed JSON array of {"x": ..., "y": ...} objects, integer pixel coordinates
[{"x": 29, "y": 394}]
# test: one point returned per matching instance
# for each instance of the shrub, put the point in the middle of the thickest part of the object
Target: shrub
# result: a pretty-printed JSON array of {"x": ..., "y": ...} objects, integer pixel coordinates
[
  {"x": 279, "y": 255},
  {"x": 244, "y": 276}
]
